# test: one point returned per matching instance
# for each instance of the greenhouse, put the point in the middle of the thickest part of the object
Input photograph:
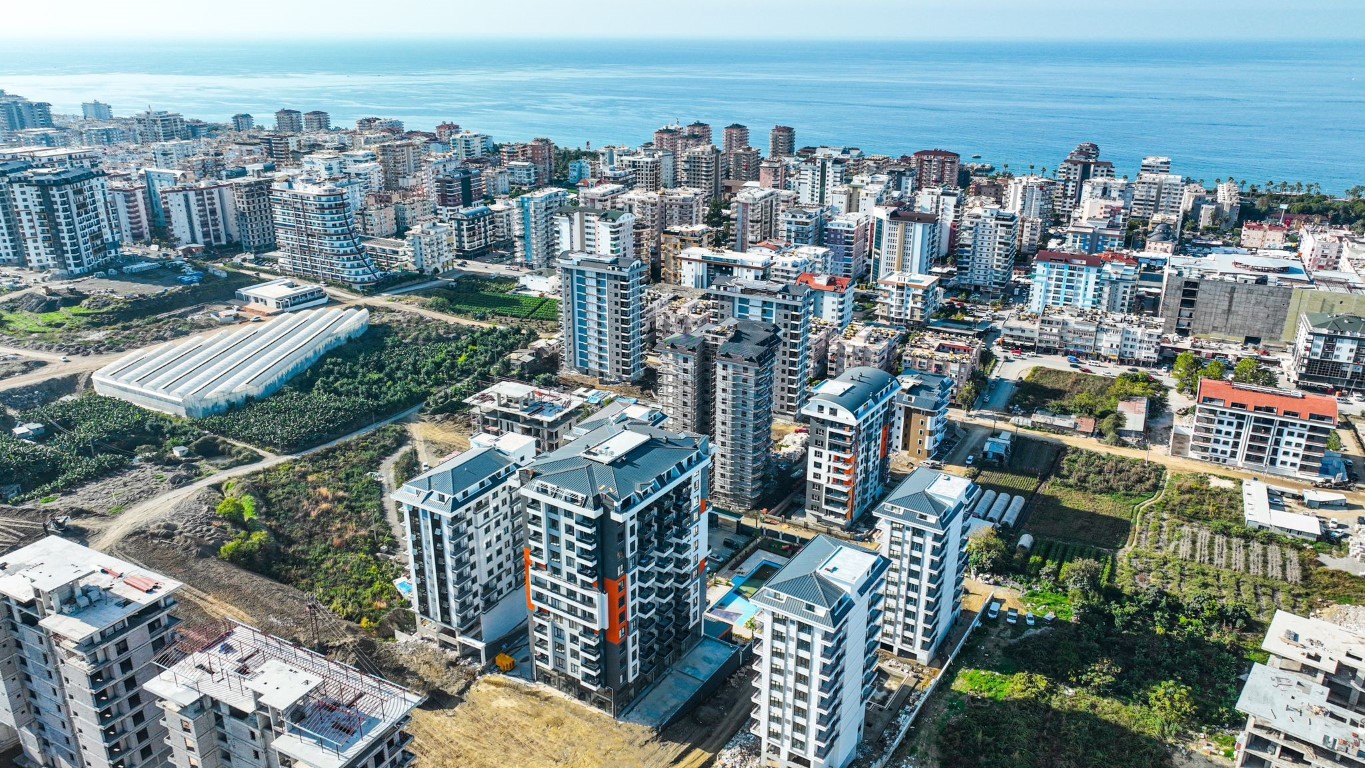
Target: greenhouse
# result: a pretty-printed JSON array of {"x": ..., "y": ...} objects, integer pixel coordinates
[{"x": 212, "y": 373}]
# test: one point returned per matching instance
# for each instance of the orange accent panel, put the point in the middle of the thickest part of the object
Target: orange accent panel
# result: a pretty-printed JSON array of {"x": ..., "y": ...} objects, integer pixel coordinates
[
  {"x": 616, "y": 614},
  {"x": 703, "y": 566},
  {"x": 526, "y": 554}
]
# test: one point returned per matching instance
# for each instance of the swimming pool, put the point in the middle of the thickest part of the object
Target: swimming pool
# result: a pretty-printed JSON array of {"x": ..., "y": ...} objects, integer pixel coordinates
[{"x": 734, "y": 607}]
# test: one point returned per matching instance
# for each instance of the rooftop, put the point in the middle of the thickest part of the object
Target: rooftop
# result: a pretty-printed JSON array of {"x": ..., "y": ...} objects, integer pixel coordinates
[
  {"x": 87, "y": 591},
  {"x": 1345, "y": 324},
  {"x": 611, "y": 464},
  {"x": 332, "y": 712},
  {"x": 1263, "y": 510},
  {"x": 821, "y": 581},
  {"x": 455, "y": 480},
  {"x": 1277, "y": 402},
  {"x": 927, "y": 496},
  {"x": 852, "y": 389},
  {"x": 537, "y": 403}
]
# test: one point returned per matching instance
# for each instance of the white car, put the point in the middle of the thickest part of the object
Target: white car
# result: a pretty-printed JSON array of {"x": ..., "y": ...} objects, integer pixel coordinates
[{"x": 971, "y": 459}]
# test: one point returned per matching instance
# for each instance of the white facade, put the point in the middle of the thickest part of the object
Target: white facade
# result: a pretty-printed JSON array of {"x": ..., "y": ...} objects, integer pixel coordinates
[
  {"x": 315, "y": 229},
  {"x": 904, "y": 298},
  {"x": 923, "y": 525},
  {"x": 593, "y": 230},
  {"x": 1105, "y": 282},
  {"x": 602, "y": 314},
  {"x": 701, "y": 267},
  {"x": 820, "y": 619},
  {"x": 57, "y": 220},
  {"x": 83, "y": 629},
  {"x": 754, "y": 214},
  {"x": 903, "y": 240},
  {"x": 201, "y": 214},
  {"x": 535, "y": 232},
  {"x": 465, "y": 535},
  {"x": 986, "y": 246}
]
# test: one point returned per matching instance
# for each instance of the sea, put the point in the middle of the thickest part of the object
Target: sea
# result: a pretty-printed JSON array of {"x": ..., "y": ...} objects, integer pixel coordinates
[{"x": 1256, "y": 111}]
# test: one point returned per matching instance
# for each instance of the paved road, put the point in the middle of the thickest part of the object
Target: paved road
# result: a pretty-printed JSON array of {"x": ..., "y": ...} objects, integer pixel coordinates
[{"x": 144, "y": 513}]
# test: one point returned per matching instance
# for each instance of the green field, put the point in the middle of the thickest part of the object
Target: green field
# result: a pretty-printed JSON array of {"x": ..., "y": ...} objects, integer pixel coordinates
[
  {"x": 1090, "y": 499},
  {"x": 1030, "y": 462},
  {"x": 479, "y": 298}
]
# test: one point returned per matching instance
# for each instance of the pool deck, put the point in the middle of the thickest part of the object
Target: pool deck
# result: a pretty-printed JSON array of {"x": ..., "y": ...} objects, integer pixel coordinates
[{"x": 717, "y": 592}]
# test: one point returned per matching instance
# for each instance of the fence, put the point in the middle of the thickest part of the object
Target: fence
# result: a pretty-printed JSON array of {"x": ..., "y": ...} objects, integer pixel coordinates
[{"x": 881, "y": 761}]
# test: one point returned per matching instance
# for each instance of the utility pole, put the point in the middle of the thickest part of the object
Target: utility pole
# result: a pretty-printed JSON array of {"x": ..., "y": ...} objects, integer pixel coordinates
[{"x": 313, "y": 619}]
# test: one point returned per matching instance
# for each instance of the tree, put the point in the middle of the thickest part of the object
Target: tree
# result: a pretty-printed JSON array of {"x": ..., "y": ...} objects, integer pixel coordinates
[
  {"x": 1173, "y": 703},
  {"x": 1081, "y": 577},
  {"x": 985, "y": 551},
  {"x": 1216, "y": 370},
  {"x": 1186, "y": 372},
  {"x": 1249, "y": 371},
  {"x": 1334, "y": 441}
]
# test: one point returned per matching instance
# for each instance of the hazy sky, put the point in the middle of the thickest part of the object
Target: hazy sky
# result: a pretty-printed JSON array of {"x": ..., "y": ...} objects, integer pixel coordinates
[{"x": 1075, "y": 20}]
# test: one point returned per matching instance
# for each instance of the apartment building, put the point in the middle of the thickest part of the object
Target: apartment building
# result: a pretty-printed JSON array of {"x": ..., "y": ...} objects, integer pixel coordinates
[
  {"x": 846, "y": 237},
  {"x": 1129, "y": 339},
  {"x": 923, "y": 525},
  {"x": 788, "y": 263},
  {"x": 535, "y": 232},
  {"x": 159, "y": 125},
  {"x": 128, "y": 210},
  {"x": 947, "y": 204},
  {"x": 55, "y": 219},
  {"x": 922, "y": 413},
  {"x": 906, "y": 298},
  {"x": 869, "y": 345},
  {"x": 804, "y": 225},
  {"x": 1304, "y": 705},
  {"x": 833, "y": 297},
  {"x": 754, "y": 216},
  {"x": 513, "y": 408},
  {"x": 615, "y": 559},
  {"x": 903, "y": 240},
  {"x": 1259, "y": 429},
  {"x": 465, "y": 536},
  {"x": 316, "y": 121},
  {"x": 820, "y": 618},
  {"x": 1081, "y": 165},
  {"x": 819, "y": 174},
  {"x": 781, "y": 141},
  {"x": 789, "y": 307},
  {"x": 594, "y": 230},
  {"x": 986, "y": 245},
  {"x": 956, "y": 357},
  {"x": 699, "y": 168},
  {"x": 289, "y": 121},
  {"x": 233, "y": 696},
  {"x": 251, "y": 206},
  {"x": 80, "y": 634},
  {"x": 848, "y": 460},
  {"x": 1106, "y": 281},
  {"x": 601, "y": 312},
  {"x": 1158, "y": 193},
  {"x": 457, "y": 189},
  {"x": 1329, "y": 352},
  {"x": 935, "y": 168},
  {"x": 400, "y": 162},
  {"x": 201, "y": 214},
  {"x": 745, "y": 372},
  {"x": 317, "y": 234},
  {"x": 1321, "y": 248}
]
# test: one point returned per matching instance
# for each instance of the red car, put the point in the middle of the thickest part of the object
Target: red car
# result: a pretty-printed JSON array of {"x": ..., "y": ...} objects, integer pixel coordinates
[{"x": 1086, "y": 370}]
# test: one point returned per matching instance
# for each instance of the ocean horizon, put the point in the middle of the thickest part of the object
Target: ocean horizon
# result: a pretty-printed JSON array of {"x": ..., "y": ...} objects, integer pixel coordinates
[{"x": 1265, "y": 111}]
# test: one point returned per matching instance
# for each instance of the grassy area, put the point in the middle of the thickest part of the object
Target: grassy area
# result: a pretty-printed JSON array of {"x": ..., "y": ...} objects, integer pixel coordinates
[
  {"x": 1051, "y": 389},
  {"x": 88, "y": 437},
  {"x": 484, "y": 298},
  {"x": 1108, "y": 689},
  {"x": 1091, "y": 498},
  {"x": 81, "y": 322},
  {"x": 394, "y": 366},
  {"x": 318, "y": 524},
  {"x": 1030, "y": 462}
]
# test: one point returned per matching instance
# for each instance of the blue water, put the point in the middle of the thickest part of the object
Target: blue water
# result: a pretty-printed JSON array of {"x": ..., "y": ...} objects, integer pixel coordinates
[{"x": 1258, "y": 111}]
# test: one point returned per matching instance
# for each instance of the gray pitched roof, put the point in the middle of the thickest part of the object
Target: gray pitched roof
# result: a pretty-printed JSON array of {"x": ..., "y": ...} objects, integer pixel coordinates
[
  {"x": 927, "y": 492},
  {"x": 863, "y": 383},
  {"x": 1350, "y": 324},
  {"x": 451, "y": 477},
  {"x": 801, "y": 582},
  {"x": 576, "y": 468}
]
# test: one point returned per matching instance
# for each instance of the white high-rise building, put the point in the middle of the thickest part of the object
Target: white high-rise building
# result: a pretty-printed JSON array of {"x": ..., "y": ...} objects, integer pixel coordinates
[
  {"x": 601, "y": 312},
  {"x": 1158, "y": 194},
  {"x": 594, "y": 230},
  {"x": 616, "y": 537},
  {"x": 905, "y": 298},
  {"x": 1105, "y": 281},
  {"x": 946, "y": 204},
  {"x": 201, "y": 214},
  {"x": 700, "y": 168},
  {"x": 986, "y": 245},
  {"x": 923, "y": 524},
  {"x": 848, "y": 460},
  {"x": 56, "y": 220},
  {"x": 239, "y": 698},
  {"x": 535, "y": 231},
  {"x": 754, "y": 213},
  {"x": 317, "y": 234},
  {"x": 465, "y": 534},
  {"x": 820, "y": 618},
  {"x": 83, "y": 629},
  {"x": 819, "y": 175},
  {"x": 903, "y": 240}
]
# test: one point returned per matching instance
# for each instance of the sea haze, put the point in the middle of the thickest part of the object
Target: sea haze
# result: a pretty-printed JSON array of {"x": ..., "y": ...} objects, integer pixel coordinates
[{"x": 1282, "y": 111}]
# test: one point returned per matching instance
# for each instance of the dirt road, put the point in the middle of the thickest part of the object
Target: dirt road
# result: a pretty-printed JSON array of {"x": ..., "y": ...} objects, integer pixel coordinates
[{"x": 144, "y": 513}]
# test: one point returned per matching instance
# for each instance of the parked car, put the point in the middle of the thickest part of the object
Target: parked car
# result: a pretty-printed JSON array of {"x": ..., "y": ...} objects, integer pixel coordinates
[
  {"x": 971, "y": 459},
  {"x": 1029, "y": 620},
  {"x": 1073, "y": 359},
  {"x": 931, "y": 464},
  {"x": 1086, "y": 370},
  {"x": 993, "y": 612},
  {"x": 1012, "y": 616},
  {"x": 1049, "y": 617},
  {"x": 1134, "y": 370}
]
